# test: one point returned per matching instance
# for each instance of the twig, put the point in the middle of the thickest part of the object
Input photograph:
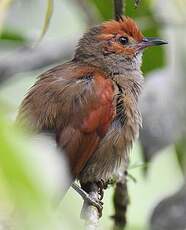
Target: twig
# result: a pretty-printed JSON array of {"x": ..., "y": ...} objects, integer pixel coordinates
[
  {"x": 89, "y": 212},
  {"x": 118, "y": 9},
  {"x": 121, "y": 201}
]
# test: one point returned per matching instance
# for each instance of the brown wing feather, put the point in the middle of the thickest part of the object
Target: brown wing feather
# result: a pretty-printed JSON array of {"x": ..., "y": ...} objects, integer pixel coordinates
[
  {"x": 76, "y": 103},
  {"x": 79, "y": 147}
]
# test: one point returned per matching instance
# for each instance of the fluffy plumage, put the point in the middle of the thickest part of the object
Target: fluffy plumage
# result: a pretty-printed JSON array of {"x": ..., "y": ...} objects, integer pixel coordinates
[
  {"x": 125, "y": 26},
  {"x": 90, "y": 103}
]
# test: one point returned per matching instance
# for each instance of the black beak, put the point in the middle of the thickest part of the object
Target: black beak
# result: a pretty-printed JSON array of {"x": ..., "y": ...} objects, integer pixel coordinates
[{"x": 148, "y": 42}]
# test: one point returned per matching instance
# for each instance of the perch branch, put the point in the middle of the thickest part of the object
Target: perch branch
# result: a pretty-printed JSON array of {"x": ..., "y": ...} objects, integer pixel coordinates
[{"x": 89, "y": 212}]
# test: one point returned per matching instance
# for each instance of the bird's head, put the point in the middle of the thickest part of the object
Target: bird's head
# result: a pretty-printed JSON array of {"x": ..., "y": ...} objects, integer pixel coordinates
[{"x": 115, "y": 45}]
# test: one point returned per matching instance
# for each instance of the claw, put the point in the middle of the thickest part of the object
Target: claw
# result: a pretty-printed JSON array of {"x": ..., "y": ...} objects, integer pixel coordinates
[
  {"x": 102, "y": 185},
  {"x": 86, "y": 197},
  {"x": 96, "y": 203}
]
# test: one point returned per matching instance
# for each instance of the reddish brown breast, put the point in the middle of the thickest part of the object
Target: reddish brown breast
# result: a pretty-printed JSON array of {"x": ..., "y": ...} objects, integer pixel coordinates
[{"x": 102, "y": 111}]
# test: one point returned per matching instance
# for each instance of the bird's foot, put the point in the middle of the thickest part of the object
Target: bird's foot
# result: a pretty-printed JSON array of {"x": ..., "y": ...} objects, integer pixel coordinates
[
  {"x": 102, "y": 185},
  {"x": 112, "y": 181},
  {"x": 87, "y": 198}
]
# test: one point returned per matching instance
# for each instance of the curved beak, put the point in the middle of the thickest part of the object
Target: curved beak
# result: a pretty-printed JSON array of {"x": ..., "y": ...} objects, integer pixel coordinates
[{"x": 148, "y": 42}]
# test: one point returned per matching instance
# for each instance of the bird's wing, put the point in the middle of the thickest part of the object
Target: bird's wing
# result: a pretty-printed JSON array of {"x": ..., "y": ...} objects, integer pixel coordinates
[{"x": 76, "y": 104}]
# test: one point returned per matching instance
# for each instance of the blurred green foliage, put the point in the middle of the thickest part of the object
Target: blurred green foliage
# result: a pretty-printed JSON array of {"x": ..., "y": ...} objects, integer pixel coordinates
[
  {"x": 8, "y": 34},
  {"x": 13, "y": 167},
  {"x": 105, "y": 10},
  {"x": 19, "y": 189},
  {"x": 180, "y": 149}
]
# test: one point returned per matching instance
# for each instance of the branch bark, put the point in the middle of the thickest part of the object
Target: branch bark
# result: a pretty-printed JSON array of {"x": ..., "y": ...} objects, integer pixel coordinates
[{"x": 89, "y": 212}]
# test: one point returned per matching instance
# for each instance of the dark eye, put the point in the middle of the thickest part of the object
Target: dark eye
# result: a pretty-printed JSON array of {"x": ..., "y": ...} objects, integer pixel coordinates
[{"x": 123, "y": 40}]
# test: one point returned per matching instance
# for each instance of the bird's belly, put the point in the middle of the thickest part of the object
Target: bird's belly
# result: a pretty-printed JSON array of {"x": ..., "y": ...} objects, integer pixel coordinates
[{"x": 112, "y": 153}]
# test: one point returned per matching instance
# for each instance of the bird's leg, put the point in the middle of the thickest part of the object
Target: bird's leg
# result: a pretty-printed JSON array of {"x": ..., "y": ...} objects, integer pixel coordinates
[
  {"x": 92, "y": 189},
  {"x": 86, "y": 197}
]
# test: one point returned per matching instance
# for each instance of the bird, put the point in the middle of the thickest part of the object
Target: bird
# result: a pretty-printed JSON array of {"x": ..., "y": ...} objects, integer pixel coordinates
[{"x": 90, "y": 103}]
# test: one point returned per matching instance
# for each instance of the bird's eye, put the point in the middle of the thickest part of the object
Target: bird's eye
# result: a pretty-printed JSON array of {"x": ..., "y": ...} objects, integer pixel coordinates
[{"x": 123, "y": 40}]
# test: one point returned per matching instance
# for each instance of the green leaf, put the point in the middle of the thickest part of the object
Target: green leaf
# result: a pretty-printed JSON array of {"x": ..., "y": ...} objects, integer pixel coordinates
[
  {"x": 48, "y": 16},
  {"x": 11, "y": 35}
]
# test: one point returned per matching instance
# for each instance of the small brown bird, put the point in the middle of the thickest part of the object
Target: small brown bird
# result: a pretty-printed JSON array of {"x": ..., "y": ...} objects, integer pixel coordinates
[{"x": 90, "y": 103}]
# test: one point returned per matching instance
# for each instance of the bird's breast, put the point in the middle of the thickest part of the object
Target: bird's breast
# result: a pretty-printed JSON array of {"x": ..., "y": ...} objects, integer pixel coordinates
[{"x": 115, "y": 145}]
